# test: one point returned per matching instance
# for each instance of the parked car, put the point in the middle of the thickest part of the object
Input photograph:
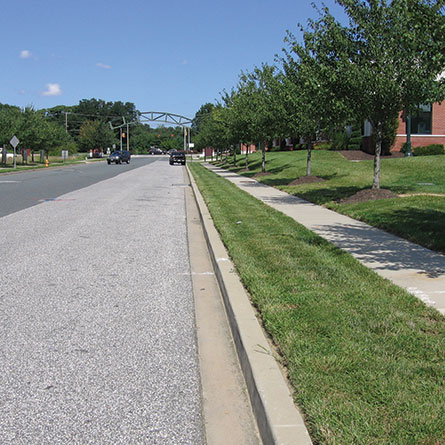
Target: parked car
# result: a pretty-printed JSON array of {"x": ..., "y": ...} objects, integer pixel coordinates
[
  {"x": 119, "y": 156},
  {"x": 177, "y": 157}
]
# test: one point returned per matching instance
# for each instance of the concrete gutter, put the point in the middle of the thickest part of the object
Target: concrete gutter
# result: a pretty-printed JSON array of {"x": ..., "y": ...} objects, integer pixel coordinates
[{"x": 279, "y": 421}]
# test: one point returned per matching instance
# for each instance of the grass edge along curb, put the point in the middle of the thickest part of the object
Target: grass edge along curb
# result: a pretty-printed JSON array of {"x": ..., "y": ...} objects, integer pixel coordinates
[
  {"x": 278, "y": 420},
  {"x": 364, "y": 357}
]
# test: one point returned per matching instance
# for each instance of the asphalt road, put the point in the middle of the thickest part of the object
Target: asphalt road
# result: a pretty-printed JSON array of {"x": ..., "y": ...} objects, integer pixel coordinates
[
  {"x": 25, "y": 189},
  {"x": 97, "y": 330}
]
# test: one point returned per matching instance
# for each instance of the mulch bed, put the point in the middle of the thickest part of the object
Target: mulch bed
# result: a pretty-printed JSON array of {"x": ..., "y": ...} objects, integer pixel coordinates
[
  {"x": 306, "y": 180},
  {"x": 369, "y": 195},
  {"x": 358, "y": 155}
]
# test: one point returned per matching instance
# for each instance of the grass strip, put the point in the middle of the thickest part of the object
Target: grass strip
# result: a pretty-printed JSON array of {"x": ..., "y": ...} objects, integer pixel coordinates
[
  {"x": 365, "y": 358},
  {"x": 420, "y": 219}
]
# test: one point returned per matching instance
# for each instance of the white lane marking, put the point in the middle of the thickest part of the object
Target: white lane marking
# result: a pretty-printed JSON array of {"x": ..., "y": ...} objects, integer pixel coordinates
[{"x": 9, "y": 182}]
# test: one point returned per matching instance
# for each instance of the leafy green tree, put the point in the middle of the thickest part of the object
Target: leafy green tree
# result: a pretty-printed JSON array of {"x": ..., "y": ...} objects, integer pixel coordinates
[
  {"x": 312, "y": 109},
  {"x": 240, "y": 119},
  {"x": 74, "y": 117},
  {"x": 142, "y": 137},
  {"x": 214, "y": 130},
  {"x": 95, "y": 134},
  {"x": 57, "y": 139},
  {"x": 31, "y": 129},
  {"x": 201, "y": 116},
  {"x": 9, "y": 119},
  {"x": 387, "y": 59}
]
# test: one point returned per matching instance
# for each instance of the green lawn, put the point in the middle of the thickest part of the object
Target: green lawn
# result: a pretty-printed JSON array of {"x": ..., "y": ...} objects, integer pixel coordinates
[
  {"x": 365, "y": 358},
  {"x": 420, "y": 219},
  {"x": 54, "y": 161}
]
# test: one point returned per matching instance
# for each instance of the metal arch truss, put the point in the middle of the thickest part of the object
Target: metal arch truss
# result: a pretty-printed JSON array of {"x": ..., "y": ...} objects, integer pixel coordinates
[{"x": 168, "y": 118}]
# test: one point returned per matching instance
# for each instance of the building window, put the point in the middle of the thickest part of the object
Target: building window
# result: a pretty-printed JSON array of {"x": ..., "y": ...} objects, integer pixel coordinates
[{"x": 421, "y": 120}]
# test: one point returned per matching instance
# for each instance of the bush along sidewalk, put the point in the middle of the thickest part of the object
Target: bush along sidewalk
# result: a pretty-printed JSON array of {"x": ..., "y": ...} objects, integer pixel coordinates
[{"x": 365, "y": 358}]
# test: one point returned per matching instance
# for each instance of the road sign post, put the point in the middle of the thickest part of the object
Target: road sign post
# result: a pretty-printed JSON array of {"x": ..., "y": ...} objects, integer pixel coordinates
[{"x": 14, "y": 142}]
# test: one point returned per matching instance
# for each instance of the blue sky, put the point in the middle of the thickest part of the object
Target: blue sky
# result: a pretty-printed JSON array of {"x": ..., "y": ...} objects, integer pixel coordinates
[{"x": 163, "y": 56}]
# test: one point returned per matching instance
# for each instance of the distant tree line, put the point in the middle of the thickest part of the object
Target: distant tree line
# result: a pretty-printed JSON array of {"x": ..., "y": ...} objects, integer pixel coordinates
[
  {"x": 82, "y": 127},
  {"x": 389, "y": 57}
]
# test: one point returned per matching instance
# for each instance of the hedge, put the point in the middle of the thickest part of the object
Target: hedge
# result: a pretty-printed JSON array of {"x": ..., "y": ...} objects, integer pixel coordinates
[{"x": 429, "y": 150}]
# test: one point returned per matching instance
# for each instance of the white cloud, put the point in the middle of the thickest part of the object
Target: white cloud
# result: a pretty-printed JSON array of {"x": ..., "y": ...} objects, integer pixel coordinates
[
  {"x": 53, "y": 89},
  {"x": 25, "y": 54},
  {"x": 102, "y": 65}
]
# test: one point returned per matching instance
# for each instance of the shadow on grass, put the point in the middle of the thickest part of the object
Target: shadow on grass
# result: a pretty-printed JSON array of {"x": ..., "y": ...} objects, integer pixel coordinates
[{"x": 325, "y": 195}]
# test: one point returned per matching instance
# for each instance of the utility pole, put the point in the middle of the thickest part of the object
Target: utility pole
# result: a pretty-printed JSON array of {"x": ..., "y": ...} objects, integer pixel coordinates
[
  {"x": 66, "y": 121},
  {"x": 128, "y": 138},
  {"x": 185, "y": 139}
]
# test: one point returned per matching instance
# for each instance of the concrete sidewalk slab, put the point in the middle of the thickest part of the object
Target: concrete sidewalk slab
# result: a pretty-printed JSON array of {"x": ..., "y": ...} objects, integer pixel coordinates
[{"x": 417, "y": 269}]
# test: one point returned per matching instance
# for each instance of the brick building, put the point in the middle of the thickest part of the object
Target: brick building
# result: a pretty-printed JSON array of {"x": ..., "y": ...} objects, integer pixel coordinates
[{"x": 427, "y": 127}]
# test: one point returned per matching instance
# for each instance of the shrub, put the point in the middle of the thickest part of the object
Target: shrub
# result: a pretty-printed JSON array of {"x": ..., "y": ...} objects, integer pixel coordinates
[
  {"x": 322, "y": 146},
  {"x": 340, "y": 140},
  {"x": 355, "y": 140},
  {"x": 429, "y": 150}
]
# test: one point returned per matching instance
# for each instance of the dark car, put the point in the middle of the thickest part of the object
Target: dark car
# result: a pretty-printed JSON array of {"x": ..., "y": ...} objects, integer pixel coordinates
[
  {"x": 177, "y": 157},
  {"x": 119, "y": 156},
  {"x": 156, "y": 151}
]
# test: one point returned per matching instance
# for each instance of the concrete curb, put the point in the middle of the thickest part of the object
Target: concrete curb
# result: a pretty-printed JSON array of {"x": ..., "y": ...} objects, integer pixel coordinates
[{"x": 279, "y": 421}]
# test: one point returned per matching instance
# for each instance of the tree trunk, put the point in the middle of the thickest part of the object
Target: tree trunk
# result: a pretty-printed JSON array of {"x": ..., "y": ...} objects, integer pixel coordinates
[
  {"x": 234, "y": 156},
  {"x": 263, "y": 157},
  {"x": 309, "y": 158},
  {"x": 247, "y": 157},
  {"x": 378, "y": 151}
]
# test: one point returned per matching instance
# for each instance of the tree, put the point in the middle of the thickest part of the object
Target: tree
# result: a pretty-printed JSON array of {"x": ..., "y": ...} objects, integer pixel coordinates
[
  {"x": 239, "y": 117},
  {"x": 386, "y": 60},
  {"x": 95, "y": 134},
  {"x": 214, "y": 129},
  {"x": 312, "y": 110},
  {"x": 9, "y": 118},
  {"x": 142, "y": 137},
  {"x": 201, "y": 116},
  {"x": 266, "y": 110}
]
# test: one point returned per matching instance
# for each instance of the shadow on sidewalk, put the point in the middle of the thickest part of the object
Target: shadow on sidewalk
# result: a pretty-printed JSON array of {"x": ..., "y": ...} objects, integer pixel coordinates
[{"x": 383, "y": 251}]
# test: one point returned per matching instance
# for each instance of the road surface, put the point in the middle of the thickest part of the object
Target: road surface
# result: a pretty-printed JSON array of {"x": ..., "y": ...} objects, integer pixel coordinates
[{"x": 97, "y": 325}]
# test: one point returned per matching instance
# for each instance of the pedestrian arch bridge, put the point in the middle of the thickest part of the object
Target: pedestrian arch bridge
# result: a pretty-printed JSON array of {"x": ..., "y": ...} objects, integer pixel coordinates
[
  {"x": 165, "y": 118},
  {"x": 157, "y": 116}
]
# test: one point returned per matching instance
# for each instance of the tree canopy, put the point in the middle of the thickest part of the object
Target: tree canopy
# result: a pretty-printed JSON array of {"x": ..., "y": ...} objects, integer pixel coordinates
[{"x": 388, "y": 57}]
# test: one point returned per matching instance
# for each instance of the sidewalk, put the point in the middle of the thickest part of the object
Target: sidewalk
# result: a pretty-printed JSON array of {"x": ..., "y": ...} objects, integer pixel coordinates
[{"x": 419, "y": 270}]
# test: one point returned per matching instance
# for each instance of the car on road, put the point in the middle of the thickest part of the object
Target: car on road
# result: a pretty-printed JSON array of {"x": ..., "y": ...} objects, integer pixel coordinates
[
  {"x": 177, "y": 157},
  {"x": 119, "y": 156},
  {"x": 156, "y": 151}
]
